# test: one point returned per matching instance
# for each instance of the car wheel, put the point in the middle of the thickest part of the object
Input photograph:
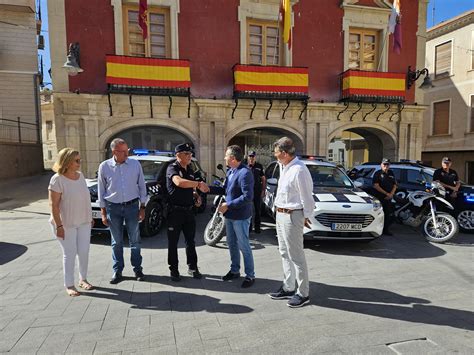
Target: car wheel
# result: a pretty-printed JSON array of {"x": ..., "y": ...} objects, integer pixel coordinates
[
  {"x": 466, "y": 220},
  {"x": 154, "y": 218}
]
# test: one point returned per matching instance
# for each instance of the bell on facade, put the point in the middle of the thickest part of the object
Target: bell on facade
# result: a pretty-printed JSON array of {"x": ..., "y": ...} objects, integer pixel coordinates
[{"x": 72, "y": 63}]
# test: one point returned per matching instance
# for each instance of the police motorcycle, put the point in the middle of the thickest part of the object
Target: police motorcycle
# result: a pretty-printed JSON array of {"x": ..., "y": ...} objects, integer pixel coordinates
[
  {"x": 215, "y": 229},
  {"x": 423, "y": 208}
]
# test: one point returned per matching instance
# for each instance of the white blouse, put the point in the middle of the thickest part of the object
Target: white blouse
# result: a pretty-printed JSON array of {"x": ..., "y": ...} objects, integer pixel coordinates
[{"x": 75, "y": 204}]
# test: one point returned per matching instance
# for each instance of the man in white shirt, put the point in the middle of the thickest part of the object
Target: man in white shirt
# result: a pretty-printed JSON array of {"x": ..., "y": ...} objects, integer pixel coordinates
[{"x": 294, "y": 204}]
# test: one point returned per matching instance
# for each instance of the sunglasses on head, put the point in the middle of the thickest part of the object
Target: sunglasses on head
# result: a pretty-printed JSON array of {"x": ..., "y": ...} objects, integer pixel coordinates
[{"x": 385, "y": 163}]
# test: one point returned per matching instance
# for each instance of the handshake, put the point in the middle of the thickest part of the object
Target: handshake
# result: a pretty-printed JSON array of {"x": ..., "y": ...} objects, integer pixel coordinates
[{"x": 202, "y": 186}]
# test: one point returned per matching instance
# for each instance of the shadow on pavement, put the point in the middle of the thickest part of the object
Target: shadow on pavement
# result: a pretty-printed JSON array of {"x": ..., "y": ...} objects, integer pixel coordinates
[
  {"x": 169, "y": 301},
  {"x": 20, "y": 192},
  {"x": 386, "y": 247},
  {"x": 387, "y": 304},
  {"x": 10, "y": 251}
]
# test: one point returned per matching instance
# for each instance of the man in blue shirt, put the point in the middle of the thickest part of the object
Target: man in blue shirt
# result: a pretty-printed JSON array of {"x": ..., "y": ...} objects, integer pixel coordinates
[
  {"x": 237, "y": 210},
  {"x": 122, "y": 198}
]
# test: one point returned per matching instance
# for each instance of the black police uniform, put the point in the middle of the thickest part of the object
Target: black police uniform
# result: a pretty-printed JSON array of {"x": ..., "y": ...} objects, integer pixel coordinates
[
  {"x": 257, "y": 171},
  {"x": 446, "y": 177},
  {"x": 181, "y": 217},
  {"x": 386, "y": 181}
]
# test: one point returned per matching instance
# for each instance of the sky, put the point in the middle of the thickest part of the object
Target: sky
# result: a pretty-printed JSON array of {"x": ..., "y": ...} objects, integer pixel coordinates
[{"x": 443, "y": 10}]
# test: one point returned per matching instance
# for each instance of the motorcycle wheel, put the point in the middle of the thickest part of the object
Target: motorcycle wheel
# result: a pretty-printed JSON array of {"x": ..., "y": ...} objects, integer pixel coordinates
[
  {"x": 447, "y": 228},
  {"x": 215, "y": 231}
]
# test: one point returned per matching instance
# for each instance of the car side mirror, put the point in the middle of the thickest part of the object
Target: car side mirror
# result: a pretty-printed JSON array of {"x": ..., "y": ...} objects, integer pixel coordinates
[{"x": 272, "y": 181}]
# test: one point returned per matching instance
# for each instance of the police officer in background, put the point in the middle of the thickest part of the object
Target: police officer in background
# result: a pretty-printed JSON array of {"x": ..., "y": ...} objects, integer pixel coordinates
[
  {"x": 385, "y": 185},
  {"x": 258, "y": 190},
  {"x": 448, "y": 178},
  {"x": 181, "y": 187}
]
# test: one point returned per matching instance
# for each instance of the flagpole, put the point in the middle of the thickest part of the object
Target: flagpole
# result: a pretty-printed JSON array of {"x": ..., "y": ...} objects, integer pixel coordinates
[{"x": 383, "y": 48}]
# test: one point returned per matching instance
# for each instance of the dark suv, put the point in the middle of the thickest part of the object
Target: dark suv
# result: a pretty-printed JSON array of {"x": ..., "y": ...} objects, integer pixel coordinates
[
  {"x": 413, "y": 176},
  {"x": 154, "y": 165}
]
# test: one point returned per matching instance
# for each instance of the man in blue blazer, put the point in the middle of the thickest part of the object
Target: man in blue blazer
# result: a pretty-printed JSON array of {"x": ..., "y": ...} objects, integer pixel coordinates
[{"x": 237, "y": 210}]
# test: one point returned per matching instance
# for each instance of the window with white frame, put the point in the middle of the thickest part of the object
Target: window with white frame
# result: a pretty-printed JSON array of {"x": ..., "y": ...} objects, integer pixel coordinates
[{"x": 443, "y": 59}]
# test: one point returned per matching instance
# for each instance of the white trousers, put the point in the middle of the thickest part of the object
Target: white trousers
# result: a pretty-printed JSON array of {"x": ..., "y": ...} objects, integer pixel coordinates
[
  {"x": 289, "y": 229},
  {"x": 76, "y": 242}
]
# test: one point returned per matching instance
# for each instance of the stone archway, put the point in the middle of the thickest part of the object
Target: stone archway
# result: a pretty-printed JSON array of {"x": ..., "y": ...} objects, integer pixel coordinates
[
  {"x": 261, "y": 139},
  {"x": 380, "y": 142},
  {"x": 147, "y": 136}
]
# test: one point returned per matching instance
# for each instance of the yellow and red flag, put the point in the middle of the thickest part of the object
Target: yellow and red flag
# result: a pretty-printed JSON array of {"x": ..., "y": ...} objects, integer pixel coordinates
[
  {"x": 271, "y": 79},
  {"x": 148, "y": 72},
  {"x": 143, "y": 17},
  {"x": 376, "y": 86},
  {"x": 285, "y": 18}
]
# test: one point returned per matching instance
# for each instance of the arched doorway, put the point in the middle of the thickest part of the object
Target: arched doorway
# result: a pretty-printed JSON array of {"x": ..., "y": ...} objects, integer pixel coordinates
[
  {"x": 261, "y": 141},
  {"x": 150, "y": 137},
  {"x": 356, "y": 145}
]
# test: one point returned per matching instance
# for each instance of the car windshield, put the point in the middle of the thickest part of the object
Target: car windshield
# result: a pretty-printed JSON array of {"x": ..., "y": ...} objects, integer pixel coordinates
[
  {"x": 151, "y": 169},
  {"x": 328, "y": 176}
]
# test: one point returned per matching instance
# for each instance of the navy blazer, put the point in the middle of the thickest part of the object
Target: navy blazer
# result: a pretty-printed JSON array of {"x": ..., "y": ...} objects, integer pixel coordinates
[{"x": 238, "y": 193}]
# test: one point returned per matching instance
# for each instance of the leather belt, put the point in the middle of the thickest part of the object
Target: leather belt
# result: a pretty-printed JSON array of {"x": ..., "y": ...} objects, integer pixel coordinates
[
  {"x": 126, "y": 203},
  {"x": 287, "y": 210}
]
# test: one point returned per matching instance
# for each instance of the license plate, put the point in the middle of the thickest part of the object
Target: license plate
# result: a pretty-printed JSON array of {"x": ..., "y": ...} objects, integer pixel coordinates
[
  {"x": 346, "y": 226},
  {"x": 96, "y": 215}
]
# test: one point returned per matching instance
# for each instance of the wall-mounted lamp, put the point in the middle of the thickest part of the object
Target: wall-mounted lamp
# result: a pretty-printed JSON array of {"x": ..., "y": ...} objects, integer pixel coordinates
[
  {"x": 413, "y": 75},
  {"x": 72, "y": 63}
]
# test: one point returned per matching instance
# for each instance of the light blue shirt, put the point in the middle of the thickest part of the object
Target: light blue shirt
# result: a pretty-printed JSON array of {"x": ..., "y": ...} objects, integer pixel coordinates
[{"x": 118, "y": 183}]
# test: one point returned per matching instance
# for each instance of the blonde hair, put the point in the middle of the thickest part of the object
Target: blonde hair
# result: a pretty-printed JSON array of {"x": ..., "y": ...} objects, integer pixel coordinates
[{"x": 65, "y": 158}]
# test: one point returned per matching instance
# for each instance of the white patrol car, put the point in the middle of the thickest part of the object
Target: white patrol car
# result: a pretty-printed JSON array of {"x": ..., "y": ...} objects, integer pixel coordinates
[
  {"x": 341, "y": 210},
  {"x": 154, "y": 165}
]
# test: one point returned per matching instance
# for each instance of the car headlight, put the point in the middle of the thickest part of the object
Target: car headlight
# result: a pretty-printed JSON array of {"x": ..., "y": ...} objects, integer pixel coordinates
[{"x": 377, "y": 205}]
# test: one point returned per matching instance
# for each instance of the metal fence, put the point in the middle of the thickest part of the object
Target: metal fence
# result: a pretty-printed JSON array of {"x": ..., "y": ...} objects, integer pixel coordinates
[{"x": 16, "y": 131}]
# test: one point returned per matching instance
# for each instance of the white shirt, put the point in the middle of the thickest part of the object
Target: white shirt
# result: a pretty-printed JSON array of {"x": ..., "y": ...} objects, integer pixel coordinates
[
  {"x": 295, "y": 188},
  {"x": 75, "y": 204}
]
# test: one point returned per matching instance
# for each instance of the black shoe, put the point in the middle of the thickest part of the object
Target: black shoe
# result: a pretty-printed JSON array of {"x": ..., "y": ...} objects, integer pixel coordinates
[
  {"x": 195, "y": 273},
  {"x": 386, "y": 232},
  {"x": 116, "y": 278},
  {"x": 281, "y": 294},
  {"x": 230, "y": 276},
  {"x": 297, "y": 301},
  {"x": 175, "y": 276},
  {"x": 139, "y": 276},
  {"x": 248, "y": 282}
]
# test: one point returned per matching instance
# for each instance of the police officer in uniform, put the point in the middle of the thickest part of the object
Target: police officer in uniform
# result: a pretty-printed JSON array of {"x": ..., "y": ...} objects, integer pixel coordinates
[
  {"x": 448, "y": 178},
  {"x": 181, "y": 188},
  {"x": 259, "y": 189},
  {"x": 385, "y": 185}
]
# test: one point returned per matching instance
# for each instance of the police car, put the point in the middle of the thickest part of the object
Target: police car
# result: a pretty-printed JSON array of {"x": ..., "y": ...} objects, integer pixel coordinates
[
  {"x": 413, "y": 176},
  {"x": 154, "y": 164},
  {"x": 341, "y": 210}
]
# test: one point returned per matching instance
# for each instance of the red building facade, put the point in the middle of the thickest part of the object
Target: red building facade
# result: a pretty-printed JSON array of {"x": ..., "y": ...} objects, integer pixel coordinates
[{"x": 328, "y": 37}]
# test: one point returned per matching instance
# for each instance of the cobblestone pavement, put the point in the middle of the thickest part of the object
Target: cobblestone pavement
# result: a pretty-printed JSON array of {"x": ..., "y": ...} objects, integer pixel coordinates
[{"x": 397, "y": 294}]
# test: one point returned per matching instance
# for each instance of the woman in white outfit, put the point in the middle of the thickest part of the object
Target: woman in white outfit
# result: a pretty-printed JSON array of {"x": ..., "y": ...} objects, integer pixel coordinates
[{"x": 71, "y": 217}]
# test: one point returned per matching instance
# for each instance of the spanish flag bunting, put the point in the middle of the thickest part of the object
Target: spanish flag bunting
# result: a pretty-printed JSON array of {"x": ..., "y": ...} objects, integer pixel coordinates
[
  {"x": 373, "y": 84},
  {"x": 148, "y": 72},
  {"x": 269, "y": 79}
]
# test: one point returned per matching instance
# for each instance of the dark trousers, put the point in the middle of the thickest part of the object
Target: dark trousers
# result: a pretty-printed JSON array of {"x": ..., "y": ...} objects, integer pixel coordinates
[
  {"x": 388, "y": 210},
  {"x": 257, "y": 210},
  {"x": 181, "y": 220}
]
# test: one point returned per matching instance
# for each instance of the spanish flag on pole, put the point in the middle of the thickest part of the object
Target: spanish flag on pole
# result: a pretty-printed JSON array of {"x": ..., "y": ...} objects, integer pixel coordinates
[{"x": 285, "y": 18}]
